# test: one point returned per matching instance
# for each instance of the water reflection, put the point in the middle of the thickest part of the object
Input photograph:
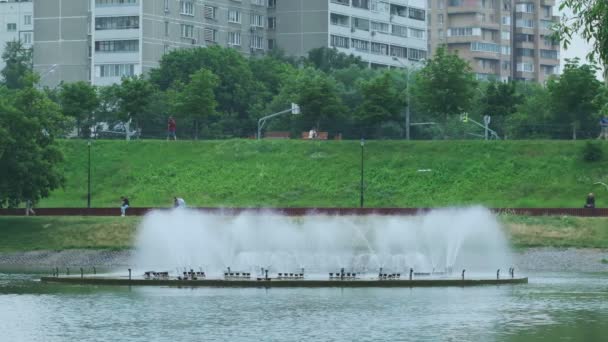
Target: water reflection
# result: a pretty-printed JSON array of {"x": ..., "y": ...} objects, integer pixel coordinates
[{"x": 552, "y": 307}]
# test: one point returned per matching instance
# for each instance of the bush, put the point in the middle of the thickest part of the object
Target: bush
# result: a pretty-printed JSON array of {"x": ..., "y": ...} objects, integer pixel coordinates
[{"x": 592, "y": 152}]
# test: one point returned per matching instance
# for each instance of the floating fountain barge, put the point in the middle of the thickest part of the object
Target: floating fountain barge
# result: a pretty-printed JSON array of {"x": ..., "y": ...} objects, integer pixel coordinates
[{"x": 273, "y": 282}]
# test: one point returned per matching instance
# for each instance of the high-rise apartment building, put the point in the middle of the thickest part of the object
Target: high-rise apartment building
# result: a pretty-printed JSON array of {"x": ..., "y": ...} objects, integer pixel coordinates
[
  {"x": 104, "y": 40},
  {"x": 375, "y": 30},
  {"x": 502, "y": 39},
  {"x": 16, "y": 23}
]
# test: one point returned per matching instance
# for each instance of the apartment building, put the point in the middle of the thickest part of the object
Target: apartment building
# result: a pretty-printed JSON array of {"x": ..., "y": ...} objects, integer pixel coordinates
[
  {"x": 383, "y": 33},
  {"x": 103, "y": 40},
  {"x": 16, "y": 23},
  {"x": 502, "y": 39}
]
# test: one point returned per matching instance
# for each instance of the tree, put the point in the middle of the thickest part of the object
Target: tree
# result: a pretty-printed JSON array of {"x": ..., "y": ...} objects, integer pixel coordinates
[
  {"x": 318, "y": 97},
  {"x": 18, "y": 63},
  {"x": 445, "y": 86},
  {"x": 532, "y": 118},
  {"x": 79, "y": 100},
  {"x": 196, "y": 100},
  {"x": 572, "y": 98},
  {"x": 29, "y": 123},
  {"x": 382, "y": 103},
  {"x": 327, "y": 59},
  {"x": 499, "y": 100},
  {"x": 134, "y": 98},
  {"x": 590, "y": 19}
]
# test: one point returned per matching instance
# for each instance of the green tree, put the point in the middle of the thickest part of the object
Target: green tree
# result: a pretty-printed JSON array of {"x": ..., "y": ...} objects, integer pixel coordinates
[
  {"x": 590, "y": 19},
  {"x": 572, "y": 98},
  {"x": 533, "y": 116},
  {"x": 18, "y": 63},
  {"x": 195, "y": 101},
  {"x": 327, "y": 59},
  {"x": 134, "y": 98},
  {"x": 382, "y": 103},
  {"x": 80, "y": 101},
  {"x": 499, "y": 100},
  {"x": 444, "y": 87},
  {"x": 29, "y": 156}
]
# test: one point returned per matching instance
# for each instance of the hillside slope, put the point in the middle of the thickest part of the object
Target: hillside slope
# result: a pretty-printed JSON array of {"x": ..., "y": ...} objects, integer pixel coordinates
[{"x": 288, "y": 173}]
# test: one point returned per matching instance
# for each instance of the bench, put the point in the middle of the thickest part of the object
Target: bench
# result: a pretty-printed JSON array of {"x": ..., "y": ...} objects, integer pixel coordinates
[{"x": 277, "y": 135}]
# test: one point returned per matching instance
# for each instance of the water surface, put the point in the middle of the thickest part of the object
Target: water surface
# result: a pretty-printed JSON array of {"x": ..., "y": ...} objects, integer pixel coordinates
[{"x": 553, "y": 307}]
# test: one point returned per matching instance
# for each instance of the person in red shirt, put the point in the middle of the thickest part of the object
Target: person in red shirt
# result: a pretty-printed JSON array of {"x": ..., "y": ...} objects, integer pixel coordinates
[{"x": 171, "y": 129}]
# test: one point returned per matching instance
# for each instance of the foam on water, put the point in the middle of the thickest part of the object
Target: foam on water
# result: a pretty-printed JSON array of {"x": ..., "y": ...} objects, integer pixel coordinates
[{"x": 469, "y": 238}]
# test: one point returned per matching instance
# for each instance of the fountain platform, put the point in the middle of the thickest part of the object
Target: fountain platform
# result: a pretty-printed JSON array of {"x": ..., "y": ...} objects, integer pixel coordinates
[{"x": 273, "y": 282}]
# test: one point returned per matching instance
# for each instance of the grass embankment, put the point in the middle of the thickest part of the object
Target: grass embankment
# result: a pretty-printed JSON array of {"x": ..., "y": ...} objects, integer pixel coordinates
[
  {"x": 327, "y": 174},
  {"x": 61, "y": 233}
]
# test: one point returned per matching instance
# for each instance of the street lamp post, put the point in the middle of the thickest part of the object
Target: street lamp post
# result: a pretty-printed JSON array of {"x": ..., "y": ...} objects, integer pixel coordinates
[
  {"x": 89, "y": 176},
  {"x": 361, "y": 188}
]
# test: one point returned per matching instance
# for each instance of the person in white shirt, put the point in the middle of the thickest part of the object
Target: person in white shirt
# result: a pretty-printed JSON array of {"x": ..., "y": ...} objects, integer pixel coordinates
[{"x": 179, "y": 202}]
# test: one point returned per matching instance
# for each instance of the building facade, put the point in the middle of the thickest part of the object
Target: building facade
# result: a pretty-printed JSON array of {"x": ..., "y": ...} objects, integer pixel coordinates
[
  {"x": 383, "y": 33},
  {"x": 103, "y": 40},
  {"x": 502, "y": 39},
  {"x": 16, "y": 23}
]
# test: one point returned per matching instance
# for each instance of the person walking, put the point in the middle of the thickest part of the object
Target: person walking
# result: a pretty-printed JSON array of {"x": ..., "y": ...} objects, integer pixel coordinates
[
  {"x": 604, "y": 128},
  {"x": 124, "y": 206},
  {"x": 29, "y": 208},
  {"x": 171, "y": 126}
]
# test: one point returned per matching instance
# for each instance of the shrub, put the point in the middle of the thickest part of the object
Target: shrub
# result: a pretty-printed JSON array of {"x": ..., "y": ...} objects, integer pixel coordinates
[{"x": 592, "y": 152}]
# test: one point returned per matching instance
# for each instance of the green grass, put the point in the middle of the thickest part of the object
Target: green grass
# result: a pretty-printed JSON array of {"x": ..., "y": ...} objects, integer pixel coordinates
[
  {"x": 61, "y": 233},
  {"x": 294, "y": 173}
]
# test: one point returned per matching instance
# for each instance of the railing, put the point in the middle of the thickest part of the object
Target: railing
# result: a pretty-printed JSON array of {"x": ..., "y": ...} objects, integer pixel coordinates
[{"x": 581, "y": 212}]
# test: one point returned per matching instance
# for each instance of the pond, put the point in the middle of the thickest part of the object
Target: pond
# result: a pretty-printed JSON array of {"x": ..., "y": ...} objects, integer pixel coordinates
[{"x": 553, "y": 306}]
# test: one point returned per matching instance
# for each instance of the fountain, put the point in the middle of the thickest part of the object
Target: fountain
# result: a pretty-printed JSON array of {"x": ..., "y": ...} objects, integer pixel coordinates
[{"x": 269, "y": 246}]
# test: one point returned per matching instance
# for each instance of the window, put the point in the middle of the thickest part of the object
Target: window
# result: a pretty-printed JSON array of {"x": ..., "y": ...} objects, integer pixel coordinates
[
  {"x": 547, "y": 12},
  {"x": 380, "y": 6},
  {"x": 547, "y": 24},
  {"x": 400, "y": 11},
  {"x": 257, "y": 20},
  {"x": 525, "y": 67},
  {"x": 416, "y": 14},
  {"x": 166, "y": 5},
  {"x": 506, "y": 65},
  {"x": 527, "y": 23},
  {"x": 380, "y": 27},
  {"x": 100, "y": 3},
  {"x": 187, "y": 31},
  {"x": 416, "y": 55},
  {"x": 505, "y": 35},
  {"x": 380, "y": 49},
  {"x": 166, "y": 29},
  {"x": 485, "y": 47},
  {"x": 548, "y": 69},
  {"x": 116, "y": 23},
  {"x": 114, "y": 70},
  {"x": 439, "y": 18},
  {"x": 210, "y": 34},
  {"x": 487, "y": 64},
  {"x": 234, "y": 16},
  {"x": 270, "y": 44},
  {"x": 440, "y": 4},
  {"x": 258, "y": 2},
  {"x": 526, "y": 8},
  {"x": 361, "y": 24},
  {"x": 11, "y": 27},
  {"x": 506, "y": 20},
  {"x": 117, "y": 45},
  {"x": 415, "y": 33},
  {"x": 400, "y": 31},
  {"x": 360, "y": 45},
  {"x": 337, "y": 41},
  {"x": 505, "y": 50},
  {"x": 521, "y": 37},
  {"x": 398, "y": 51},
  {"x": 257, "y": 42},
  {"x": 341, "y": 2},
  {"x": 272, "y": 23},
  {"x": 26, "y": 38},
  {"x": 187, "y": 8},
  {"x": 210, "y": 12},
  {"x": 27, "y": 19},
  {"x": 550, "y": 54},
  {"x": 464, "y": 31},
  {"x": 272, "y": 3},
  {"x": 361, "y": 4},
  {"x": 234, "y": 38},
  {"x": 525, "y": 52},
  {"x": 339, "y": 19}
]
